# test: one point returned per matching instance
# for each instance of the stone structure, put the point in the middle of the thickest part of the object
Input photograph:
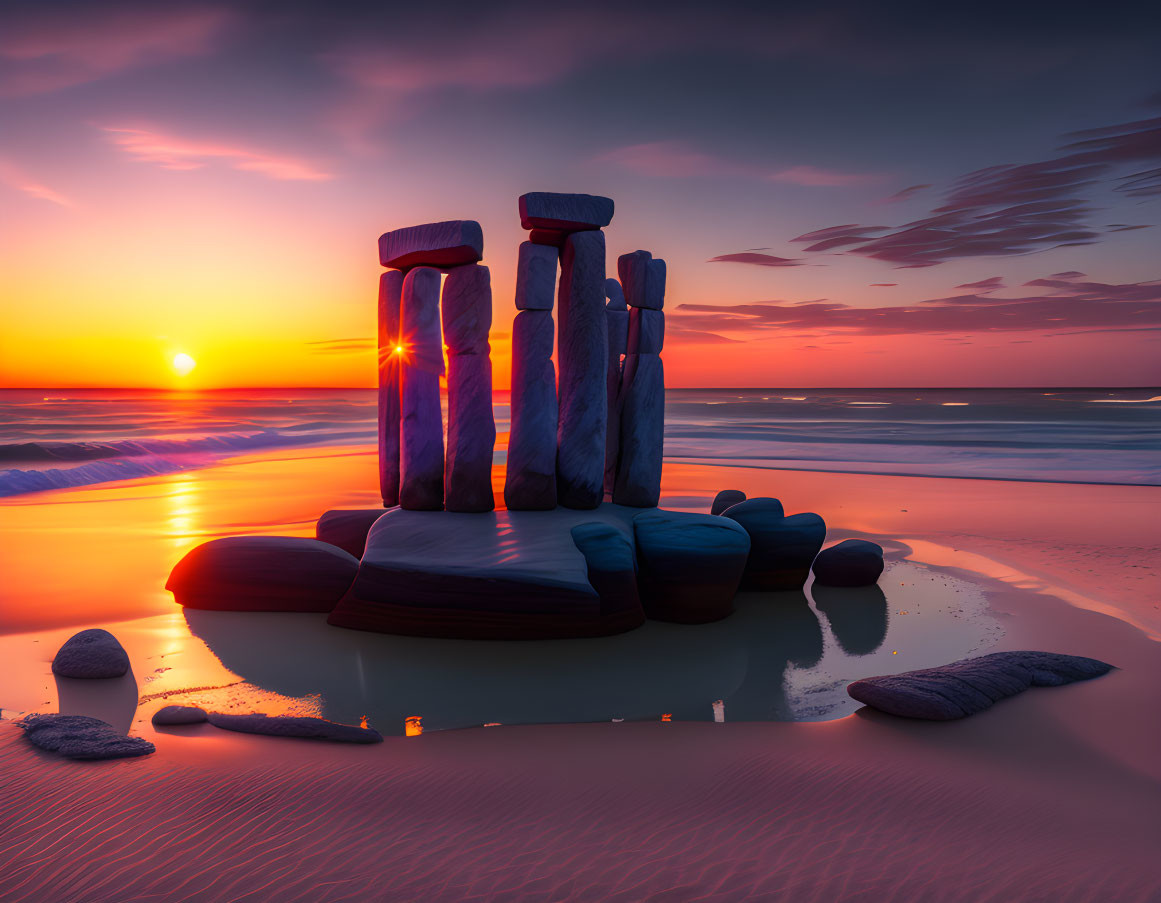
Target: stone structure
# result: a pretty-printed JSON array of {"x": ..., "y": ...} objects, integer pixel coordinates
[
  {"x": 578, "y": 414},
  {"x": 617, "y": 317},
  {"x": 642, "y": 393},
  {"x": 412, "y": 468}
]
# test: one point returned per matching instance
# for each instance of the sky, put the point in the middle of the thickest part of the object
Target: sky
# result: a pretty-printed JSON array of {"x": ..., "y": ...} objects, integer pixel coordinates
[{"x": 846, "y": 194}]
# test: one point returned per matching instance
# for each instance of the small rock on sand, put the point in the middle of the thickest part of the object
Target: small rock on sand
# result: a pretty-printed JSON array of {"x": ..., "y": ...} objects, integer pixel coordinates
[
  {"x": 295, "y": 726},
  {"x": 91, "y": 654},
  {"x": 179, "y": 714},
  {"x": 82, "y": 737}
]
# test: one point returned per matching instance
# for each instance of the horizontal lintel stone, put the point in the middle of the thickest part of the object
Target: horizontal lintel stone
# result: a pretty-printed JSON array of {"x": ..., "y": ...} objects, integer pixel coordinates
[{"x": 441, "y": 245}]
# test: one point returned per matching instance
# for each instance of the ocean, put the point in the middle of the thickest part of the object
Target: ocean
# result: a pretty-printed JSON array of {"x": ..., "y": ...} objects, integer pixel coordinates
[{"x": 54, "y": 438}]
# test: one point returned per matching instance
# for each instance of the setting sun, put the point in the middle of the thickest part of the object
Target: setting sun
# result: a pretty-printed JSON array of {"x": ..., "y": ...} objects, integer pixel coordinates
[{"x": 183, "y": 364}]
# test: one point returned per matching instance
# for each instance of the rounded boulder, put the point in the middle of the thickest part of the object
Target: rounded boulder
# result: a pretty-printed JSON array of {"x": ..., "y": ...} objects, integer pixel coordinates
[
  {"x": 853, "y": 562},
  {"x": 263, "y": 573},
  {"x": 179, "y": 714},
  {"x": 725, "y": 499},
  {"x": 781, "y": 548},
  {"x": 91, "y": 654},
  {"x": 690, "y": 565}
]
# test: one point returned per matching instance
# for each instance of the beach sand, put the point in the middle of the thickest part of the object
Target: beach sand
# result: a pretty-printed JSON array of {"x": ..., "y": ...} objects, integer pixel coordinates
[{"x": 1054, "y": 795}]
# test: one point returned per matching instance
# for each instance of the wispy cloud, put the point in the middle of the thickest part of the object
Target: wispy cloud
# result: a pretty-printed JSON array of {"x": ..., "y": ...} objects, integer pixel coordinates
[
  {"x": 343, "y": 346},
  {"x": 17, "y": 179},
  {"x": 754, "y": 259},
  {"x": 1012, "y": 209},
  {"x": 1068, "y": 304},
  {"x": 50, "y": 50},
  {"x": 169, "y": 152},
  {"x": 678, "y": 160}
]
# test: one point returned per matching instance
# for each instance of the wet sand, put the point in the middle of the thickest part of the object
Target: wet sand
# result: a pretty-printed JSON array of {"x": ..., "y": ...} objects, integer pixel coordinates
[{"x": 1053, "y": 795}]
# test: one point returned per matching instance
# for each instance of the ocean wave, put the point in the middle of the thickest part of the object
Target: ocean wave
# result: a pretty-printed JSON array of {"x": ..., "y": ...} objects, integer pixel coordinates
[{"x": 128, "y": 459}]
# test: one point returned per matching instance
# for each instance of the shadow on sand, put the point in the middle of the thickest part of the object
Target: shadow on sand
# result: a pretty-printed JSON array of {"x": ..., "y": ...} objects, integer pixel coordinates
[{"x": 113, "y": 700}]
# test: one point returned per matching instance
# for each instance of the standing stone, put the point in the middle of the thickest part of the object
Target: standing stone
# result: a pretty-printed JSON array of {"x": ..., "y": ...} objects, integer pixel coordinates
[
  {"x": 638, "y": 482},
  {"x": 421, "y": 458},
  {"x": 618, "y": 320},
  {"x": 530, "y": 479},
  {"x": 582, "y": 352},
  {"x": 390, "y": 294},
  {"x": 536, "y": 276},
  {"x": 471, "y": 426}
]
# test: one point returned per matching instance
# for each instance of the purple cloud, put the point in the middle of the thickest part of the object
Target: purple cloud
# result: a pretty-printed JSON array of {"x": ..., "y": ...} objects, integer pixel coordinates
[
  {"x": 761, "y": 260},
  {"x": 905, "y": 193},
  {"x": 1011, "y": 209},
  {"x": 985, "y": 285},
  {"x": 1084, "y": 306}
]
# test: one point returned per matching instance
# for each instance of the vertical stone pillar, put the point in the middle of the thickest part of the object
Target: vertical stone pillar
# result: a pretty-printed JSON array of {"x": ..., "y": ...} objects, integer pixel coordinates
[
  {"x": 638, "y": 481},
  {"x": 471, "y": 427},
  {"x": 617, "y": 316},
  {"x": 530, "y": 478},
  {"x": 390, "y": 293},
  {"x": 582, "y": 354},
  {"x": 421, "y": 458}
]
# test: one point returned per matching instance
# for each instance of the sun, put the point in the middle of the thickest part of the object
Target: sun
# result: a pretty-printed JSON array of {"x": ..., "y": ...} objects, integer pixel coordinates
[{"x": 183, "y": 364}]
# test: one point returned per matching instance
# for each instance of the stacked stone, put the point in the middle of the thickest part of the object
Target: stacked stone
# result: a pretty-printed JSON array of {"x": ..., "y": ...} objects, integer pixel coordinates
[
  {"x": 572, "y": 223},
  {"x": 642, "y": 393},
  {"x": 411, "y": 459},
  {"x": 617, "y": 317},
  {"x": 530, "y": 481}
]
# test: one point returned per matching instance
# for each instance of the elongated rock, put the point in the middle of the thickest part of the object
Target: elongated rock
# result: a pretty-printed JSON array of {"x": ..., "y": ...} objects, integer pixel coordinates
[
  {"x": 564, "y": 212},
  {"x": 447, "y": 244},
  {"x": 638, "y": 482},
  {"x": 530, "y": 478},
  {"x": 471, "y": 426},
  {"x": 654, "y": 285},
  {"x": 615, "y": 294},
  {"x": 390, "y": 293},
  {"x": 582, "y": 352},
  {"x": 536, "y": 276},
  {"x": 618, "y": 323},
  {"x": 421, "y": 457}
]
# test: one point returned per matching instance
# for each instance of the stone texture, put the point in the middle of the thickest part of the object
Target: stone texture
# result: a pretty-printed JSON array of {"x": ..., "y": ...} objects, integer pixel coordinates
[
  {"x": 722, "y": 500},
  {"x": 615, "y": 294},
  {"x": 853, "y": 562},
  {"x": 447, "y": 244},
  {"x": 536, "y": 276},
  {"x": 500, "y": 575},
  {"x": 471, "y": 426},
  {"x": 304, "y": 728},
  {"x": 582, "y": 353},
  {"x": 262, "y": 573},
  {"x": 421, "y": 455},
  {"x": 390, "y": 294},
  {"x": 530, "y": 473},
  {"x": 91, "y": 654},
  {"x": 782, "y": 548},
  {"x": 471, "y": 434},
  {"x": 552, "y": 211},
  {"x": 82, "y": 737},
  {"x": 618, "y": 325},
  {"x": 347, "y": 528},
  {"x": 179, "y": 714},
  {"x": 690, "y": 565},
  {"x": 966, "y": 687},
  {"x": 646, "y": 331},
  {"x": 466, "y": 309},
  {"x": 638, "y": 481},
  {"x": 612, "y": 564}
]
